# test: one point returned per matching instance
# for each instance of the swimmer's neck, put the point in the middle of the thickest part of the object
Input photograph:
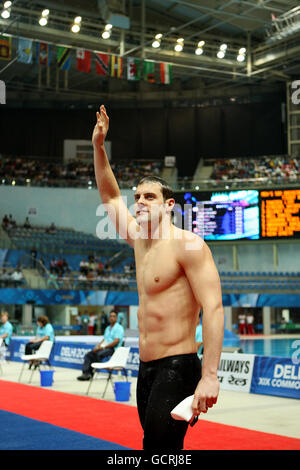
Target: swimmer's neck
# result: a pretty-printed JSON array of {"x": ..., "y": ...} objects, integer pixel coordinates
[{"x": 153, "y": 234}]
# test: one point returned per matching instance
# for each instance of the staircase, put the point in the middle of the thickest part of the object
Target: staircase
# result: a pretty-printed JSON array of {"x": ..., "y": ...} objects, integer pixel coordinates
[
  {"x": 202, "y": 172},
  {"x": 34, "y": 279},
  {"x": 170, "y": 175},
  {"x": 5, "y": 241}
]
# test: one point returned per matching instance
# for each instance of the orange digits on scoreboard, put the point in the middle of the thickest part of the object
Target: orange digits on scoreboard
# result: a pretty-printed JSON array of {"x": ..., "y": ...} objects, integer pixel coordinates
[{"x": 280, "y": 213}]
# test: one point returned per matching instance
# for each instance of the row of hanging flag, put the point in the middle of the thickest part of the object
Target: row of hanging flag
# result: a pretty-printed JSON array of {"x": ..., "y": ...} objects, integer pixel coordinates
[{"x": 106, "y": 64}]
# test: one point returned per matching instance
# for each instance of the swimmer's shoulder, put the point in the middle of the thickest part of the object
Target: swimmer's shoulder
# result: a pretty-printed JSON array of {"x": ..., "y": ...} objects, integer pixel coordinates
[{"x": 187, "y": 240}]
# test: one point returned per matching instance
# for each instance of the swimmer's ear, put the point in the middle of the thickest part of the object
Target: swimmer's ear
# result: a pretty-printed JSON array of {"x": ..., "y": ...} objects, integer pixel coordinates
[{"x": 170, "y": 203}]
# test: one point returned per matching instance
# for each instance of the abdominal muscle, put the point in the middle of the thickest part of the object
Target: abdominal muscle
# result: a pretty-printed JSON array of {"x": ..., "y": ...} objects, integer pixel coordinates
[{"x": 167, "y": 322}]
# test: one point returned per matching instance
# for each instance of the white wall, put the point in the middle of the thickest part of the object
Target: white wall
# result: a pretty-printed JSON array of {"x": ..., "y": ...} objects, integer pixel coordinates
[{"x": 66, "y": 207}]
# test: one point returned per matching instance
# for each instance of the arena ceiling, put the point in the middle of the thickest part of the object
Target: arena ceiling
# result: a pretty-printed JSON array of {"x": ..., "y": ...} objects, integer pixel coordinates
[{"x": 269, "y": 30}]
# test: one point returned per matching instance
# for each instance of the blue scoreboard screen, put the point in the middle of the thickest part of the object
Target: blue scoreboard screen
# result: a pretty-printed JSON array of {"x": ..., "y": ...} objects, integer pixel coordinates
[{"x": 220, "y": 215}]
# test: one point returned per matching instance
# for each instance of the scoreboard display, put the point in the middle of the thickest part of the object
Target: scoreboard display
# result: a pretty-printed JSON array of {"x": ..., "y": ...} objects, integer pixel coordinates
[
  {"x": 240, "y": 215},
  {"x": 280, "y": 213},
  {"x": 220, "y": 215}
]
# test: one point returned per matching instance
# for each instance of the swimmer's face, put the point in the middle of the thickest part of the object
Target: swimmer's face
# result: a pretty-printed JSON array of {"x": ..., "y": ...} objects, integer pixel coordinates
[{"x": 149, "y": 203}]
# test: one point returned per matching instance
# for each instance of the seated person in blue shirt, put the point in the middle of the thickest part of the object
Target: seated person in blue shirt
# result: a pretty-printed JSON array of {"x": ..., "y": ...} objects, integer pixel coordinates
[
  {"x": 113, "y": 339},
  {"x": 6, "y": 329},
  {"x": 198, "y": 338},
  {"x": 44, "y": 332}
]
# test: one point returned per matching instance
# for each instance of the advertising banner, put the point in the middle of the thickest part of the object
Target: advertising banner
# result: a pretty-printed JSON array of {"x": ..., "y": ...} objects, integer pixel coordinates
[
  {"x": 133, "y": 361},
  {"x": 67, "y": 297},
  {"x": 235, "y": 371},
  {"x": 16, "y": 349},
  {"x": 264, "y": 375},
  {"x": 69, "y": 354},
  {"x": 278, "y": 376}
]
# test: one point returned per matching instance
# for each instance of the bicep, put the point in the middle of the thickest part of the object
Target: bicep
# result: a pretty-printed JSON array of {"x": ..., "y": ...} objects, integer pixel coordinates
[{"x": 204, "y": 278}]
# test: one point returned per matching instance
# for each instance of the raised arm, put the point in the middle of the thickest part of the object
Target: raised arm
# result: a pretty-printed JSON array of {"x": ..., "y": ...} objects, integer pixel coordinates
[
  {"x": 106, "y": 181},
  {"x": 202, "y": 274}
]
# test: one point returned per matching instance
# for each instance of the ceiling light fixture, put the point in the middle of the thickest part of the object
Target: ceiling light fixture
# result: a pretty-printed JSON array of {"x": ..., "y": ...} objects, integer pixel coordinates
[
  {"x": 107, "y": 31},
  {"x": 157, "y": 40},
  {"x": 106, "y": 35},
  {"x": 156, "y": 44},
  {"x": 44, "y": 18},
  {"x": 5, "y": 13},
  {"x": 199, "y": 51},
  {"x": 76, "y": 25},
  {"x": 241, "y": 54},
  {"x": 222, "y": 51},
  {"x": 75, "y": 28},
  {"x": 43, "y": 21},
  {"x": 179, "y": 46}
]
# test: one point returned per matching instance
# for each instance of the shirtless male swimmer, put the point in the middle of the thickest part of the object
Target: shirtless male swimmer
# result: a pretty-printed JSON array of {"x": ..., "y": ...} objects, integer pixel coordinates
[{"x": 176, "y": 277}]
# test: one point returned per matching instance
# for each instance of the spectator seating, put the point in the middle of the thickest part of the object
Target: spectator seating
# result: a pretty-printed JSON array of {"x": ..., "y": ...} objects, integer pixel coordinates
[
  {"x": 274, "y": 168},
  {"x": 60, "y": 252},
  {"x": 260, "y": 281},
  {"x": 63, "y": 240},
  {"x": 74, "y": 173}
]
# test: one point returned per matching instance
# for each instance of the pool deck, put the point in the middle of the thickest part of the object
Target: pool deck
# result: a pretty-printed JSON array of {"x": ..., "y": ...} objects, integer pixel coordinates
[{"x": 264, "y": 413}]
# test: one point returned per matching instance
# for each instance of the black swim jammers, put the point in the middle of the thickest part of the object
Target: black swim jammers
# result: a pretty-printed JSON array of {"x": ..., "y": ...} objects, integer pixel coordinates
[{"x": 161, "y": 385}]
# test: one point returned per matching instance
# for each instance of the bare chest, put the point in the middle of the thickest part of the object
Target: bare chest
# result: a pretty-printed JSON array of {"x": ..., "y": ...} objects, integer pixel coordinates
[{"x": 156, "y": 269}]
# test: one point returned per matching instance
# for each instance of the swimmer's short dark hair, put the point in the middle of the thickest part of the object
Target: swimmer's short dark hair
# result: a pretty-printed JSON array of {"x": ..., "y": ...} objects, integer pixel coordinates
[{"x": 166, "y": 189}]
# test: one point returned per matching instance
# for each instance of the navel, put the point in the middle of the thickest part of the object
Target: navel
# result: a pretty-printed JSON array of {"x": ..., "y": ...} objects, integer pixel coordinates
[{"x": 156, "y": 279}]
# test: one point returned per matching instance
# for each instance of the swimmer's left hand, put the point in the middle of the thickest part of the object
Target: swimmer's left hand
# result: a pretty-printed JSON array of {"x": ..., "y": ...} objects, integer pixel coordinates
[{"x": 206, "y": 394}]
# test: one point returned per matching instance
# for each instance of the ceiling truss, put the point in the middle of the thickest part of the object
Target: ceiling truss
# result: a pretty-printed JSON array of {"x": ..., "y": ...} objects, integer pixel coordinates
[{"x": 234, "y": 22}]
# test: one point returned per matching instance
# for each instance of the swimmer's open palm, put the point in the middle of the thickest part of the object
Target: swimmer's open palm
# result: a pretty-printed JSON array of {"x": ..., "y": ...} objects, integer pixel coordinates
[
  {"x": 101, "y": 127},
  {"x": 206, "y": 394}
]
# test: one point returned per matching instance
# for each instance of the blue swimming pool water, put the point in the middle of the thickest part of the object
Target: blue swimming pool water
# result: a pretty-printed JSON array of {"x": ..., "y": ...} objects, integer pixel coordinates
[{"x": 284, "y": 347}]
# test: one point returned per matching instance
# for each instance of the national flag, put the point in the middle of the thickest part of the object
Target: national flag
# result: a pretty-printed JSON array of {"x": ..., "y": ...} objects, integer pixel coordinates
[
  {"x": 5, "y": 48},
  {"x": 83, "y": 60},
  {"x": 165, "y": 73},
  {"x": 102, "y": 61},
  {"x": 43, "y": 53},
  {"x": 116, "y": 66},
  {"x": 133, "y": 69},
  {"x": 63, "y": 58},
  {"x": 148, "y": 71},
  {"x": 24, "y": 51}
]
